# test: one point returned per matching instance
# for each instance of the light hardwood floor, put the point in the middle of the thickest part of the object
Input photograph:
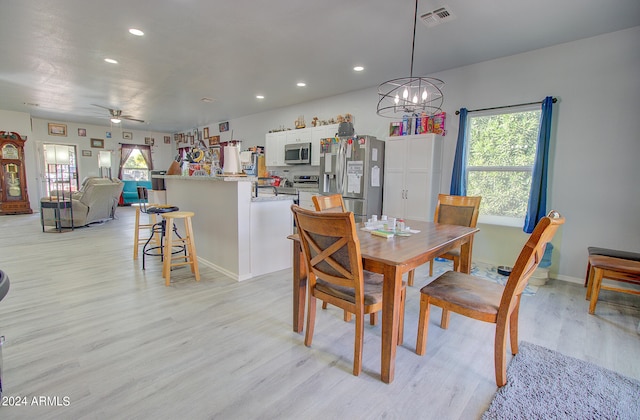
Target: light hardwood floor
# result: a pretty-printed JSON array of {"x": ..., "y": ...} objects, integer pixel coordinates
[{"x": 83, "y": 321}]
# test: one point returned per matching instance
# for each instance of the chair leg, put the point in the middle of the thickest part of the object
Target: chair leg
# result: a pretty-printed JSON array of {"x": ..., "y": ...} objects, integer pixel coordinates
[
  {"x": 500, "y": 350},
  {"x": 311, "y": 321},
  {"x": 410, "y": 276},
  {"x": 456, "y": 263},
  {"x": 423, "y": 325},
  {"x": 444, "y": 321},
  {"x": 347, "y": 316},
  {"x": 596, "y": 282},
  {"x": 431, "y": 268},
  {"x": 403, "y": 298},
  {"x": 359, "y": 341},
  {"x": 589, "y": 282},
  {"x": 373, "y": 318},
  {"x": 588, "y": 275},
  {"x": 136, "y": 235},
  {"x": 513, "y": 327},
  {"x": 324, "y": 305}
]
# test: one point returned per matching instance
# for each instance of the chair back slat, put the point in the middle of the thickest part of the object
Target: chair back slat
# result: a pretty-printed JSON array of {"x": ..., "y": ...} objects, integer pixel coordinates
[
  {"x": 457, "y": 210},
  {"x": 330, "y": 203}
]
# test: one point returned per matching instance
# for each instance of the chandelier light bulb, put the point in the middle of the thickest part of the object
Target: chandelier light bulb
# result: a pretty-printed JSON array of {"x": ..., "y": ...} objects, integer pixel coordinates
[
  {"x": 424, "y": 95},
  {"x": 405, "y": 94},
  {"x": 397, "y": 99},
  {"x": 415, "y": 99}
]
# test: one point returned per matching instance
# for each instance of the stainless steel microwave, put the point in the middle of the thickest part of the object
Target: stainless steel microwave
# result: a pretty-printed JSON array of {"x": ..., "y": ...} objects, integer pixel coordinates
[{"x": 297, "y": 153}]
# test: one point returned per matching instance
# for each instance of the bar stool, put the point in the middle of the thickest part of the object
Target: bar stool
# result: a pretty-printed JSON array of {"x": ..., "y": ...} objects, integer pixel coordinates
[
  {"x": 143, "y": 199},
  {"x": 158, "y": 231},
  {"x": 190, "y": 258}
]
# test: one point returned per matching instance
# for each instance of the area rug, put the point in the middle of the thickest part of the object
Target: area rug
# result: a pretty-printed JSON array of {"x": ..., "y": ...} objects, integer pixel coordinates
[{"x": 544, "y": 384}]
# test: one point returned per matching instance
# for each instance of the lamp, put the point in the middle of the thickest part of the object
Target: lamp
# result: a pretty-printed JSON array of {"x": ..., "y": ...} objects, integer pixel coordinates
[
  {"x": 410, "y": 95},
  {"x": 115, "y": 120},
  {"x": 104, "y": 163}
]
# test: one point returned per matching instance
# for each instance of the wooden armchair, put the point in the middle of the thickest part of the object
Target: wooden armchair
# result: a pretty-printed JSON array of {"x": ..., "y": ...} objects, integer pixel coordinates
[
  {"x": 331, "y": 250},
  {"x": 454, "y": 210},
  {"x": 486, "y": 301}
]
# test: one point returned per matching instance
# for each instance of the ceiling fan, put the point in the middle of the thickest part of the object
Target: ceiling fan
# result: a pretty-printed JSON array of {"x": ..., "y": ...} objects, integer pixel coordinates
[{"x": 116, "y": 115}]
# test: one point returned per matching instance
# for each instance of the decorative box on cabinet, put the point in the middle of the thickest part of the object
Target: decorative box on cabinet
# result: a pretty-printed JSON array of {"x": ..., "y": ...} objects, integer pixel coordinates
[
  {"x": 412, "y": 174},
  {"x": 14, "y": 198}
]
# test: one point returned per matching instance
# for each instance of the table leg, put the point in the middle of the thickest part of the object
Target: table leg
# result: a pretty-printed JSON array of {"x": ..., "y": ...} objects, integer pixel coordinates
[
  {"x": 465, "y": 256},
  {"x": 299, "y": 287},
  {"x": 391, "y": 292}
]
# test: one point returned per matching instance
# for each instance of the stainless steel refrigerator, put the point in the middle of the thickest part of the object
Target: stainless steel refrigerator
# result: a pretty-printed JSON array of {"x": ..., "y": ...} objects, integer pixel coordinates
[{"x": 353, "y": 167}]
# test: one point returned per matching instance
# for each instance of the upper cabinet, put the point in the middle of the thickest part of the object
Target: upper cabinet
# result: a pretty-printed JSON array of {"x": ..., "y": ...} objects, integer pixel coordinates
[
  {"x": 274, "y": 148},
  {"x": 274, "y": 142}
]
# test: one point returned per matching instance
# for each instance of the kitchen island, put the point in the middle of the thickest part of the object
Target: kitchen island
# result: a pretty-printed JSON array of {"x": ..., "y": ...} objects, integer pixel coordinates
[{"x": 235, "y": 233}]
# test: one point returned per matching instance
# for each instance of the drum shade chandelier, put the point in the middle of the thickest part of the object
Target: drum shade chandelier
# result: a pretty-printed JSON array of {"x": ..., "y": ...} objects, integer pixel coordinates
[{"x": 410, "y": 95}]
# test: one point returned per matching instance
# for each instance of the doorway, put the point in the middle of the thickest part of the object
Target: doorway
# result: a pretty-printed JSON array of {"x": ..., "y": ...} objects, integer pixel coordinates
[{"x": 60, "y": 168}]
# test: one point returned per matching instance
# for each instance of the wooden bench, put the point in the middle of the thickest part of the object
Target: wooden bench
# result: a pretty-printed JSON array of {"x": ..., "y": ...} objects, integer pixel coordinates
[{"x": 613, "y": 269}]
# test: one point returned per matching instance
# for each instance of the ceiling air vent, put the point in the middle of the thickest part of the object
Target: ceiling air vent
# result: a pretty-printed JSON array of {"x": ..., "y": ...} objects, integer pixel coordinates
[{"x": 438, "y": 16}]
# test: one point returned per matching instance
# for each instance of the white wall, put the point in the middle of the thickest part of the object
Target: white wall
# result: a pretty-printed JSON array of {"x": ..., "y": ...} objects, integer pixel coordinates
[{"x": 594, "y": 170}]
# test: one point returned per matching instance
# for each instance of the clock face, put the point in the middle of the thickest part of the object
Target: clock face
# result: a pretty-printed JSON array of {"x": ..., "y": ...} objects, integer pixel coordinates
[{"x": 9, "y": 151}]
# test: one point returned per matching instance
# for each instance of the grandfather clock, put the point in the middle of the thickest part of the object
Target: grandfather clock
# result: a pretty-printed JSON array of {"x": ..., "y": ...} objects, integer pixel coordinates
[{"x": 13, "y": 179}]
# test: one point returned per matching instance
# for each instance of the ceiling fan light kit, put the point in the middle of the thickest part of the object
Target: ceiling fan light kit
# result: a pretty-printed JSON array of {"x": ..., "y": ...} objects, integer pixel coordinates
[{"x": 410, "y": 95}]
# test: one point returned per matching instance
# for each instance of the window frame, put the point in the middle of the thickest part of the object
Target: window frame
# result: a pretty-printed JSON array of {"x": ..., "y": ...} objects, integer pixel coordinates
[
  {"x": 125, "y": 168},
  {"x": 495, "y": 219}
]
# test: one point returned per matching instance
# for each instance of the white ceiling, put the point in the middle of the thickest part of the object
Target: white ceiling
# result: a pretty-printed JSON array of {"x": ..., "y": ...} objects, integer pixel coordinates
[{"x": 52, "y": 51}]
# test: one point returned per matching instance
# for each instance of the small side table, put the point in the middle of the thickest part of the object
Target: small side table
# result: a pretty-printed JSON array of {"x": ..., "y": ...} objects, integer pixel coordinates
[{"x": 56, "y": 205}]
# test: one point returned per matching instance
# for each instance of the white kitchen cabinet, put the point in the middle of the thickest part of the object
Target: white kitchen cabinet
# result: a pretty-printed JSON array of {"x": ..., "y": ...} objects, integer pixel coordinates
[
  {"x": 412, "y": 174},
  {"x": 301, "y": 135},
  {"x": 274, "y": 148},
  {"x": 317, "y": 134}
]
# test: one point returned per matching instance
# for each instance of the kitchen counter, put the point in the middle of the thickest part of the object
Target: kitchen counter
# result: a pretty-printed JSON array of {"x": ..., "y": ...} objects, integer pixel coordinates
[{"x": 236, "y": 234}]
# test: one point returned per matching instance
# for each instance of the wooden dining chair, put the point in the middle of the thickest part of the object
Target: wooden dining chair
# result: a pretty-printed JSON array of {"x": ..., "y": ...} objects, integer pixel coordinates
[
  {"x": 455, "y": 210},
  {"x": 331, "y": 249},
  {"x": 484, "y": 300},
  {"x": 335, "y": 203}
]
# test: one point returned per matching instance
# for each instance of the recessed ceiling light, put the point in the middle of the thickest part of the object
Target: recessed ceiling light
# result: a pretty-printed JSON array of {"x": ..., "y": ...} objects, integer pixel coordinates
[
  {"x": 111, "y": 61},
  {"x": 358, "y": 68},
  {"x": 259, "y": 96},
  {"x": 301, "y": 84},
  {"x": 136, "y": 32}
]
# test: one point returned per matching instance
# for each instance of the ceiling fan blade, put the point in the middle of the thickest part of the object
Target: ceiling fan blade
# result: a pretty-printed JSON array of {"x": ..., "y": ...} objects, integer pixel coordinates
[
  {"x": 104, "y": 107},
  {"x": 131, "y": 119}
]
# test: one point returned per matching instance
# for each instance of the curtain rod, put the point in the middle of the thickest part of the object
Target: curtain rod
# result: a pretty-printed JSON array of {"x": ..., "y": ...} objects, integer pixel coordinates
[{"x": 506, "y": 106}]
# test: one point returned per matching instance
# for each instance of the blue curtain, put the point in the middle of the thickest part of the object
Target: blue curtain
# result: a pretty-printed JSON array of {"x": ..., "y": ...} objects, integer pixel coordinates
[
  {"x": 537, "y": 206},
  {"x": 459, "y": 175}
]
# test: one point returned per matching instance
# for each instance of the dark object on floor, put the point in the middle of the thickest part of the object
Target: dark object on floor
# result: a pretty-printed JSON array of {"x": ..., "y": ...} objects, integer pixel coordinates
[
  {"x": 504, "y": 270},
  {"x": 4, "y": 289}
]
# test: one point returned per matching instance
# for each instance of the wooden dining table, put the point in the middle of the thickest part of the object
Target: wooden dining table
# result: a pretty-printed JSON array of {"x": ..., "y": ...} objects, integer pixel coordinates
[{"x": 391, "y": 257}]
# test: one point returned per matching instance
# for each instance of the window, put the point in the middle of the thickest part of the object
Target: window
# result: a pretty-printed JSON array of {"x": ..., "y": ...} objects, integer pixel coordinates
[
  {"x": 502, "y": 150},
  {"x": 135, "y": 168}
]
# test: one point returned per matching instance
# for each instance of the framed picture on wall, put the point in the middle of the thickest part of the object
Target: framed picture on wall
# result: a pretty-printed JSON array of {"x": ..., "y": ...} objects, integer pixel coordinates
[
  {"x": 57, "y": 129},
  {"x": 214, "y": 140},
  {"x": 205, "y": 132},
  {"x": 82, "y": 132},
  {"x": 223, "y": 126},
  {"x": 167, "y": 139},
  {"x": 127, "y": 135},
  {"x": 86, "y": 153},
  {"x": 97, "y": 143}
]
